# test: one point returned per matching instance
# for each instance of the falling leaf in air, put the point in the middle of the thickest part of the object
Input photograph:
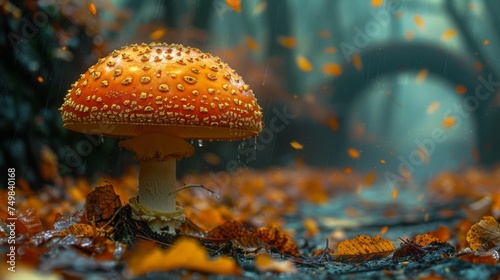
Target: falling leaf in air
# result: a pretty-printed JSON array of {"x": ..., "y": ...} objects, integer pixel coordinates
[
  {"x": 394, "y": 193},
  {"x": 384, "y": 230},
  {"x": 265, "y": 263},
  {"x": 185, "y": 253},
  {"x": 260, "y": 8},
  {"x": 332, "y": 69},
  {"x": 486, "y": 230},
  {"x": 296, "y": 145},
  {"x": 486, "y": 42},
  {"x": 287, "y": 42},
  {"x": 252, "y": 44},
  {"x": 449, "y": 121},
  {"x": 422, "y": 75},
  {"x": 234, "y": 4},
  {"x": 356, "y": 61},
  {"x": 311, "y": 227},
  {"x": 377, "y": 3},
  {"x": 303, "y": 63},
  {"x": 419, "y": 22},
  {"x": 433, "y": 107},
  {"x": 348, "y": 170},
  {"x": 158, "y": 33},
  {"x": 330, "y": 50},
  {"x": 353, "y": 153},
  {"x": 333, "y": 123},
  {"x": 101, "y": 204},
  {"x": 370, "y": 178},
  {"x": 92, "y": 9},
  {"x": 364, "y": 248},
  {"x": 460, "y": 89},
  {"x": 448, "y": 35}
]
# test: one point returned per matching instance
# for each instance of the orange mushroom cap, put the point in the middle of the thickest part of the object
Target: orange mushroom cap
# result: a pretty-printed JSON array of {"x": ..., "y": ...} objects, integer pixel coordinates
[{"x": 166, "y": 89}]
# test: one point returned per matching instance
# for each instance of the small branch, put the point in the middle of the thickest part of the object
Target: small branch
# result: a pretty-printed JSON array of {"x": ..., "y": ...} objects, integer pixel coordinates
[{"x": 211, "y": 193}]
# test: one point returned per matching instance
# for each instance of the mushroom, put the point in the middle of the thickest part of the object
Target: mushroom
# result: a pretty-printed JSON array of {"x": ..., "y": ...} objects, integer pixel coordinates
[{"x": 158, "y": 95}]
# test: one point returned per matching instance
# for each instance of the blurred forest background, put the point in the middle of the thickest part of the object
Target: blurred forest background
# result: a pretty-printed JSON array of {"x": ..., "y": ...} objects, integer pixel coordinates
[{"x": 400, "y": 86}]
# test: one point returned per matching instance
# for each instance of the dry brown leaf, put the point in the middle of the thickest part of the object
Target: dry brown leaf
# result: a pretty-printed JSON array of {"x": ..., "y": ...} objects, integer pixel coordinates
[
  {"x": 278, "y": 239},
  {"x": 488, "y": 229},
  {"x": 80, "y": 230},
  {"x": 227, "y": 231},
  {"x": 265, "y": 263},
  {"x": 101, "y": 204},
  {"x": 364, "y": 248},
  {"x": 185, "y": 253},
  {"x": 27, "y": 221}
]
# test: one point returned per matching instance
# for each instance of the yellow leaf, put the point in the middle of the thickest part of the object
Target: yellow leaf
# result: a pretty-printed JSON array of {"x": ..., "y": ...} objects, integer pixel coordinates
[
  {"x": 184, "y": 254},
  {"x": 488, "y": 229},
  {"x": 265, "y": 262}
]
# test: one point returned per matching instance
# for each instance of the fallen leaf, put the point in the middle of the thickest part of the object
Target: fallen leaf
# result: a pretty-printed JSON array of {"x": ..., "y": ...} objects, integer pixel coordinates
[
  {"x": 27, "y": 221},
  {"x": 185, "y": 253},
  {"x": 425, "y": 239},
  {"x": 227, "y": 231},
  {"x": 265, "y": 263},
  {"x": 364, "y": 248},
  {"x": 101, "y": 204},
  {"x": 488, "y": 229},
  {"x": 278, "y": 239}
]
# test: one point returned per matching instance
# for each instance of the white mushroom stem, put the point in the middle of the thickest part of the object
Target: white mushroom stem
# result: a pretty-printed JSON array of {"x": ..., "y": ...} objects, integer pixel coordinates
[
  {"x": 157, "y": 184},
  {"x": 155, "y": 204}
]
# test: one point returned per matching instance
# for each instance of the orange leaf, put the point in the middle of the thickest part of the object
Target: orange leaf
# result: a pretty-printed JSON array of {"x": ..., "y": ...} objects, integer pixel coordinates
[
  {"x": 449, "y": 121},
  {"x": 364, "y": 248},
  {"x": 425, "y": 239},
  {"x": 227, "y": 231},
  {"x": 265, "y": 262},
  {"x": 303, "y": 64},
  {"x": 101, "y": 204},
  {"x": 184, "y": 254},
  {"x": 92, "y": 9},
  {"x": 234, "y": 4},
  {"x": 486, "y": 230},
  {"x": 278, "y": 239},
  {"x": 27, "y": 221}
]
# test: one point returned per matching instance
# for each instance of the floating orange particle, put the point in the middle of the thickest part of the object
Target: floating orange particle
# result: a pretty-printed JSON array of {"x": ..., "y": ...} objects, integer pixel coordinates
[
  {"x": 324, "y": 34},
  {"x": 287, "y": 42},
  {"x": 382, "y": 161},
  {"x": 449, "y": 121},
  {"x": 353, "y": 153},
  {"x": 433, "y": 107},
  {"x": 422, "y": 75},
  {"x": 348, "y": 170},
  {"x": 448, "y": 35},
  {"x": 423, "y": 154},
  {"x": 311, "y": 227},
  {"x": 330, "y": 50},
  {"x": 234, "y": 4},
  {"x": 303, "y": 63},
  {"x": 39, "y": 79},
  {"x": 377, "y": 3},
  {"x": 460, "y": 89},
  {"x": 332, "y": 69},
  {"x": 92, "y": 9},
  {"x": 333, "y": 123},
  {"x": 409, "y": 35},
  {"x": 296, "y": 145},
  {"x": 419, "y": 22},
  {"x": 370, "y": 178},
  {"x": 394, "y": 193},
  {"x": 384, "y": 229},
  {"x": 356, "y": 61},
  {"x": 252, "y": 44},
  {"x": 157, "y": 34},
  {"x": 260, "y": 7},
  {"x": 486, "y": 42}
]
